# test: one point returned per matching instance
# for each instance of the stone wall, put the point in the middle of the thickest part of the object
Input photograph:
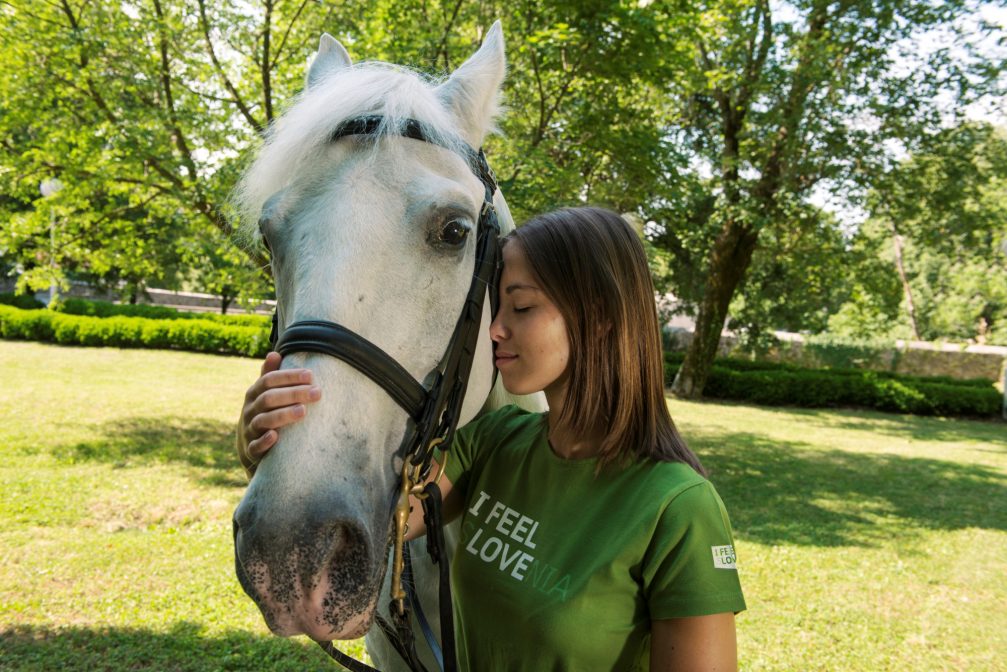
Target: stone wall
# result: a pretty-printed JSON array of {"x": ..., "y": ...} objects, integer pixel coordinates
[
  {"x": 905, "y": 357},
  {"x": 956, "y": 363},
  {"x": 192, "y": 302}
]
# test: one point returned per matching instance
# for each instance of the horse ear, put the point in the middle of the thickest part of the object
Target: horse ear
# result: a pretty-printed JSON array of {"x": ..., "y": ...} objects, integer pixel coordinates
[
  {"x": 473, "y": 89},
  {"x": 331, "y": 56}
]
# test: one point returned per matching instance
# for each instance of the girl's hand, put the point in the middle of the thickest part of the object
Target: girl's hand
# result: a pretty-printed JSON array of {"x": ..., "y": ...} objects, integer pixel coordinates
[{"x": 277, "y": 399}]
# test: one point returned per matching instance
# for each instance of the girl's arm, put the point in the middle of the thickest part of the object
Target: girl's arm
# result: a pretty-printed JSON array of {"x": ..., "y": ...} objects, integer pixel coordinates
[
  {"x": 452, "y": 506},
  {"x": 694, "y": 644}
]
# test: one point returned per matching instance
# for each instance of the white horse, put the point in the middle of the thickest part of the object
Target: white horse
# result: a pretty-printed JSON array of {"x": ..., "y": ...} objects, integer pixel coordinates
[{"x": 371, "y": 233}]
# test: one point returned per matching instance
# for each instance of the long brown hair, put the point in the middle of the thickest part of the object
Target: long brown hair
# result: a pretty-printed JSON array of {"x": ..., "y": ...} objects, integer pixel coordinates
[{"x": 593, "y": 267}]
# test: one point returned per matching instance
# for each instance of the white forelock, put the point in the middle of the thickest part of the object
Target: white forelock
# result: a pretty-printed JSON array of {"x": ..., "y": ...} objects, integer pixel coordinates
[{"x": 297, "y": 139}]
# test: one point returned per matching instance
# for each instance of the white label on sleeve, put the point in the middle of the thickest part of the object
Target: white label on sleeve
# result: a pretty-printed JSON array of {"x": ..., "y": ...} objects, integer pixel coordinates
[{"x": 724, "y": 557}]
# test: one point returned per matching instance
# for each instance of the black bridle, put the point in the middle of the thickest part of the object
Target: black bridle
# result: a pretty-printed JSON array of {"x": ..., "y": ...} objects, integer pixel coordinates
[{"x": 433, "y": 411}]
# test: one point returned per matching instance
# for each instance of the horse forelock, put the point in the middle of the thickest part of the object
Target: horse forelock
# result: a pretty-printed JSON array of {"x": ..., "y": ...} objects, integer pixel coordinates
[{"x": 296, "y": 141}]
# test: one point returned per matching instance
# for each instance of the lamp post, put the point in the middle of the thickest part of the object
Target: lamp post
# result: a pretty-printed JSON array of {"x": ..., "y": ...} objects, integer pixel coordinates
[
  {"x": 1003, "y": 381},
  {"x": 49, "y": 188}
]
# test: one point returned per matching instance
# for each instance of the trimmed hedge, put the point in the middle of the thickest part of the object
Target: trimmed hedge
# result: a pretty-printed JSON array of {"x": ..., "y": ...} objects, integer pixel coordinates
[
  {"x": 675, "y": 359},
  {"x": 74, "y": 306},
  {"x": 133, "y": 332},
  {"x": 24, "y": 301},
  {"x": 784, "y": 385}
]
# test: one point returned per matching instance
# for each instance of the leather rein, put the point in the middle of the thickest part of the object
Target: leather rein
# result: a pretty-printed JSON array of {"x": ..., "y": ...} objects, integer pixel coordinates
[{"x": 433, "y": 411}]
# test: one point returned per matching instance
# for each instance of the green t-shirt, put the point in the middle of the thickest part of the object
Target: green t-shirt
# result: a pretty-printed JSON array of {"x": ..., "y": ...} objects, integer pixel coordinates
[{"x": 560, "y": 569}]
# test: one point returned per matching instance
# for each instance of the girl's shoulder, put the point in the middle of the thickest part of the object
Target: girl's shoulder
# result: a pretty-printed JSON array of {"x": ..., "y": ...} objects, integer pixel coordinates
[
  {"x": 663, "y": 482},
  {"x": 506, "y": 418},
  {"x": 509, "y": 425}
]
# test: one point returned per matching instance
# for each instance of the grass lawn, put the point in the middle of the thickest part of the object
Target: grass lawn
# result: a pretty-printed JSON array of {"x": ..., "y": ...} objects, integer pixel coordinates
[{"x": 866, "y": 541}]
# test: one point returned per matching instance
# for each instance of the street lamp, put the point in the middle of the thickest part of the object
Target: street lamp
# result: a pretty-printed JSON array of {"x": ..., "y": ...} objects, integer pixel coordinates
[{"x": 49, "y": 188}]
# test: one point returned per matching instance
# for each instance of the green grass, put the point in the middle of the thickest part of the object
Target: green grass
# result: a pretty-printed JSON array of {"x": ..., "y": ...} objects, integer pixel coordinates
[
  {"x": 117, "y": 484},
  {"x": 866, "y": 541}
]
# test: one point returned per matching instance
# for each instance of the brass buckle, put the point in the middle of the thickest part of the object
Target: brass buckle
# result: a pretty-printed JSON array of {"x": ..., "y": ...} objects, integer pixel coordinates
[{"x": 412, "y": 484}]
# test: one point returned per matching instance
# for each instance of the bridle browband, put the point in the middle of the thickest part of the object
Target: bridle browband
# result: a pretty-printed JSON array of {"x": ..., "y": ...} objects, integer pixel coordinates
[{"x": 433, "y": 411}]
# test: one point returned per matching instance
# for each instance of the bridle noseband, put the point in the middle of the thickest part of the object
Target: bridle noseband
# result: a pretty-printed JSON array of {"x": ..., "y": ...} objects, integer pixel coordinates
[{"x": 433, "y": 412}]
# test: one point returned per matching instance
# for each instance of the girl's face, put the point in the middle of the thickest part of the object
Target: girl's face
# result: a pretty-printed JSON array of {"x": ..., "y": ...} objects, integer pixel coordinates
[{"x": 531, "y": 350}]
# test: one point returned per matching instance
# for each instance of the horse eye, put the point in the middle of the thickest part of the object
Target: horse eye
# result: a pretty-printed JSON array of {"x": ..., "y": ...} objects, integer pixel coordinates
[{"x": 454, "y": 232}]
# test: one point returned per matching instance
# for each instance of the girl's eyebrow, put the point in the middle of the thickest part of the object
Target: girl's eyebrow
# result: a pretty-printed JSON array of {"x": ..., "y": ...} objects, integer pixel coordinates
[{"x": 514, "y": 287}]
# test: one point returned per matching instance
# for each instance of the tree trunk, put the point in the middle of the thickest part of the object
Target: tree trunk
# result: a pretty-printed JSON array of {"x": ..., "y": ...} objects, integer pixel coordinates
[
  {"x": 910, "y": 306},
  {"x": 731, "y": 256}
]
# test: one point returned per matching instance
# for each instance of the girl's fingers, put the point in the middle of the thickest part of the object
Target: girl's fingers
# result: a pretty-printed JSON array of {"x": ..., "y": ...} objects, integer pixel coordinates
[
  {"x": 281, "y": 417},
  {"x": 280, "y": 378},
  {"x": 285, "y": 396},
  {"x": 256, "y": 449},
  {"x": 271, "y": 363},
  {"x": 277, "y": 399}
]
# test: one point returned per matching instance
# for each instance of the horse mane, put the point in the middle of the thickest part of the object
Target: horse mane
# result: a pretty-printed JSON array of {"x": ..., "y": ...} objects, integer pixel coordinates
[{"x": 296, "y": 140}]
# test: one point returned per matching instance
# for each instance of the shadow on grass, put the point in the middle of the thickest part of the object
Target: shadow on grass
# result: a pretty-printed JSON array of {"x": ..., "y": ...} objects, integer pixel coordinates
[
  {"x": 201, "y": 443},
  {"x": 781, "y": 492},
  {"x": 184, "y": 648},
  {"x": 777, "y": 492}
]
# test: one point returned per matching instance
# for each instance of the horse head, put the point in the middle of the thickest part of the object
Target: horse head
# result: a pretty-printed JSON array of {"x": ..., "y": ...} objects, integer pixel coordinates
[{"x": 375, "y": 233}]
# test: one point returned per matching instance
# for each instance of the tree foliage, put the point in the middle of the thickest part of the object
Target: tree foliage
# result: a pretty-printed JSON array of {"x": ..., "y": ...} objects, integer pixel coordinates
[
  {"x": 145, "y": 111},
  {"x": 781, "y": 100},
  {"x": 137, "y": 111},
  {"x": 938, "y": 231},
  {"x": 715, "y": 121}
]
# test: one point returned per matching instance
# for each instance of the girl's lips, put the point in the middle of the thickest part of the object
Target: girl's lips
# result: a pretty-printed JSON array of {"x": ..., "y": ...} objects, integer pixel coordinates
[{"x": 504, "y": 359}]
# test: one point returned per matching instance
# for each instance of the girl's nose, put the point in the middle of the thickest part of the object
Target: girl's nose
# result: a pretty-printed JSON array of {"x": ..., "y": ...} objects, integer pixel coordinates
[{"x": 497, "y": 330}]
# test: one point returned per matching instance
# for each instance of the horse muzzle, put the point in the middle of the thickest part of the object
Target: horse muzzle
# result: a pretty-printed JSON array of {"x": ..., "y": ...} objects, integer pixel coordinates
[{"x": 318, "y": 577}]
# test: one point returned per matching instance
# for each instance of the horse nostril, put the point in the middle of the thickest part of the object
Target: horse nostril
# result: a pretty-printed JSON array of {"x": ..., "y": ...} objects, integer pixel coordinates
[
  {"x": 349, "y": 544},
  {"x": 348, "y": 553},
  {"x": 244, "y": 515}
]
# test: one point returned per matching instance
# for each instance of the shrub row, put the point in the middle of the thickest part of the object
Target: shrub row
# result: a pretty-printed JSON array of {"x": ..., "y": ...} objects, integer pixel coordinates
[
  {"x": 133, "y": 332},
  {"x": 823, "y": 388},
  {"x": 735, "y": 364},
  {"x": 25, "y": 301}
]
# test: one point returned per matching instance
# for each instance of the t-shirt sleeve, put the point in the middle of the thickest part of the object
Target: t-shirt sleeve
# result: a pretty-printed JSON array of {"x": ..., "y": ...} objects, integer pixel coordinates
[
  {"x": 690, "y": 568},
  {"x": 462, "y": 455},
  {"x": 474, "y": 441}
]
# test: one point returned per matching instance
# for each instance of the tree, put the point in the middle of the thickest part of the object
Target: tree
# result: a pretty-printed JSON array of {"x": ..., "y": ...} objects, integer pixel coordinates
[
  {"x": 800, "y": 278},
  {"x": 143, "y": 110},
  {"x": 138, "y": 111},
  {"x": 779, "y": 100},
  {"x": 714, "y": 120},
  {"x": 939, "y": 230}
]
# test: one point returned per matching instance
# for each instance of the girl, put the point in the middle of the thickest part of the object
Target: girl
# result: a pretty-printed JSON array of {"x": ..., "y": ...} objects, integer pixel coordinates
[{"x": 590, "y": 538}]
